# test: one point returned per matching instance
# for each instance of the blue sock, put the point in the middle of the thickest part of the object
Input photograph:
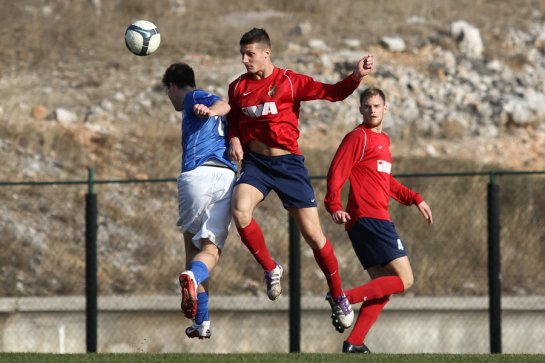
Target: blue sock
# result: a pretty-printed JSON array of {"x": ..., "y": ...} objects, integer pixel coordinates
[
  {"x": 202, "y": 307},
  {"x": 206, "y": 317},
  {"x": 199, "y": 270}
]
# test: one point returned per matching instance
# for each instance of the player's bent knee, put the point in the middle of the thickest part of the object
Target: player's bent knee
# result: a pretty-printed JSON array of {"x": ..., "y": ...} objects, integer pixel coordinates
[
  {"x": 242, "y": 220},
  {"x": 316, "y": 242},
  {"x": 241, "y": 217},
  {"x": 210, "y": 248}
]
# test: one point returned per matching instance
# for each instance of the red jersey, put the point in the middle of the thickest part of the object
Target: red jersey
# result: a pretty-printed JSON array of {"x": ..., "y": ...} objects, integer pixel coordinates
[
  {"x": 267, "y": 109},
  {"x": 365, "y": 159}
]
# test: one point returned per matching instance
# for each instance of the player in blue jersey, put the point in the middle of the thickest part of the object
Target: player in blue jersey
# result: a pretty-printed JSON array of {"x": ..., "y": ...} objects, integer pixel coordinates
[{"x": 204, "y": 189}]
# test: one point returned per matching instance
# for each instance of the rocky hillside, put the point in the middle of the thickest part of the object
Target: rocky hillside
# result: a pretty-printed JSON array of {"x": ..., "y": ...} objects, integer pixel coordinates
[{"x": 463, "y": 78}]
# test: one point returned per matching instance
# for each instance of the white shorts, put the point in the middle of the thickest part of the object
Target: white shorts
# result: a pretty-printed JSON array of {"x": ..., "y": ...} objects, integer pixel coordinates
[{"x": 204, "y": 203}]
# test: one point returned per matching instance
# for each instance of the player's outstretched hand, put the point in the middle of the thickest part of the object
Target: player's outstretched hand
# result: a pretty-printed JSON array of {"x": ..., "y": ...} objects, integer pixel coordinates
[
  {"x": 235, "y": 150},
  {"x": 364, "y": 66},
  {"x": 425, "y": 209},
  {"x": 340, "y": 217}
]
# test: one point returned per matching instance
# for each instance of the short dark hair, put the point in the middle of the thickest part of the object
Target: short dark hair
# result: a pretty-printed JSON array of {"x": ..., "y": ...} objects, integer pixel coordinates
[
  {"x": 180, "y": 74},
  {"x": 256, "y": 35},
  {"x": 370, "y": 92}
]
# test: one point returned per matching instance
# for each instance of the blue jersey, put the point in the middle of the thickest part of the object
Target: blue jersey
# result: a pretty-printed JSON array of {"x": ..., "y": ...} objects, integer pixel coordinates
[{"x": 203, "y": 139}]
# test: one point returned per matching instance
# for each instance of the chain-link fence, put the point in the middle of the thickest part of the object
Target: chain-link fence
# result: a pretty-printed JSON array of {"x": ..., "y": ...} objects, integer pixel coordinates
[{"x": 140, "y": 253}]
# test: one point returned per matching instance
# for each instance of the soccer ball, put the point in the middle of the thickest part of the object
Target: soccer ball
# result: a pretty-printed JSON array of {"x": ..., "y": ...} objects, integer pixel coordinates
[{"x": 142, "y": 37}]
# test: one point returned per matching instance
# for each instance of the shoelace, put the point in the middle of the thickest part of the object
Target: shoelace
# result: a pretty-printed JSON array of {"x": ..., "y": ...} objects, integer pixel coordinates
[
  {"x": 343, "y": 303},
  {"x": 272, "y": 278}
]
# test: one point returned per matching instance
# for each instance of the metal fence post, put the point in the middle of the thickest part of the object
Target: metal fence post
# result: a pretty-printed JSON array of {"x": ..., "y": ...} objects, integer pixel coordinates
[
  {"x": 295, "y": 286},
  {"x": 91, "y": 265},
  {"x": 494, "y": 271}
]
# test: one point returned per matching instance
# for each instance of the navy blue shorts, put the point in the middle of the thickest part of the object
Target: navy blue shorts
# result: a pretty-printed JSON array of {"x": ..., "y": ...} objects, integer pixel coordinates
[
  {"x": 375, "y": 242},
  {"x": 285, "y": 174}
]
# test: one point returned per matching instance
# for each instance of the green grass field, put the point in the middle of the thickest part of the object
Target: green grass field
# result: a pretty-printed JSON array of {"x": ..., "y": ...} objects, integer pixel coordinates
[{"x": 269, "y": 357}]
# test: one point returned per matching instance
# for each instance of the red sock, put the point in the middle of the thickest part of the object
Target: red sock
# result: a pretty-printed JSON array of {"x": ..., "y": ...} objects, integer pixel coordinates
[
  {"x": 253, "y": 239},
  {"x": 367, "y": 316},
  {"x": 375, "y": 289},
  {"x": 327, "y": 261}
]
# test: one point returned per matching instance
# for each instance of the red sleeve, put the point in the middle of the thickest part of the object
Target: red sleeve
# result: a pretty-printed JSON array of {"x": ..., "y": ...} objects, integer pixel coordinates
[
  {"x": 403, "y": 194},
  {"x": 348, "y": 154},
  {"x": 233, "y": 115},
  {"x": 309, "y": 89}
]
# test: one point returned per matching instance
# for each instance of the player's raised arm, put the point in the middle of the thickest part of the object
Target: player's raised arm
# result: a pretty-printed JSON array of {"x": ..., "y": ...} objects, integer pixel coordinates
[
  {"x": 310, "y": 89},
  {"x": 364, "y": 67},
  {"x": 218, "y": 108}
]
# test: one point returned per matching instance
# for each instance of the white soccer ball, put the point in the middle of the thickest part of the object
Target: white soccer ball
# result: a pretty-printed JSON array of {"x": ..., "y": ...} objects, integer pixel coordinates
[{"x": 142, "y": 37}]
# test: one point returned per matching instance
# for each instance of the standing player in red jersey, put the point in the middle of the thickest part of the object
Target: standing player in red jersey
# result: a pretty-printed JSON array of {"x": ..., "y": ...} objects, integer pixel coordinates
[
  {"x": 364, "y": 158},
  {"x": 263, "y": 133}
]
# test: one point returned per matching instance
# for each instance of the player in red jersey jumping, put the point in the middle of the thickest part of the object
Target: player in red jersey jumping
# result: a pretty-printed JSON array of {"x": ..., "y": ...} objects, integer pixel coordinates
[
  {"x": 364, "y": 158},
  {"x": 263, "y": 133}
]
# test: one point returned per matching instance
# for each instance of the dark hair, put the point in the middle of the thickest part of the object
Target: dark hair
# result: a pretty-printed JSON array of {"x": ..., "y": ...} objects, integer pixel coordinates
[
  {"x": 256, "y": 35},
  {"x": 180, "y": 74},
  {"x": 370, "y": 92}
]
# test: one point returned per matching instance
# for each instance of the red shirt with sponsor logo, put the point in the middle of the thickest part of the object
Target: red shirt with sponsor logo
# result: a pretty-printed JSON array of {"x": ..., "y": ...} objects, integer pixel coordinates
[
  {"x": 364, "y": 158},
  {"x": 267, "y": 109}
]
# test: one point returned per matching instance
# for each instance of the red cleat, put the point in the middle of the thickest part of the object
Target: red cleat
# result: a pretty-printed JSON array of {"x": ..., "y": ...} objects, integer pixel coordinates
[{"x": 188, "y": 285}]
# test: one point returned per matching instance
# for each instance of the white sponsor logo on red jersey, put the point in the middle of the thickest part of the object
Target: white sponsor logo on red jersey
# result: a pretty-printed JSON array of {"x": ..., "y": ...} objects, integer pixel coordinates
[
  {"x": 384, "y": 166},
  {"x": 267, "y": 108}
]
